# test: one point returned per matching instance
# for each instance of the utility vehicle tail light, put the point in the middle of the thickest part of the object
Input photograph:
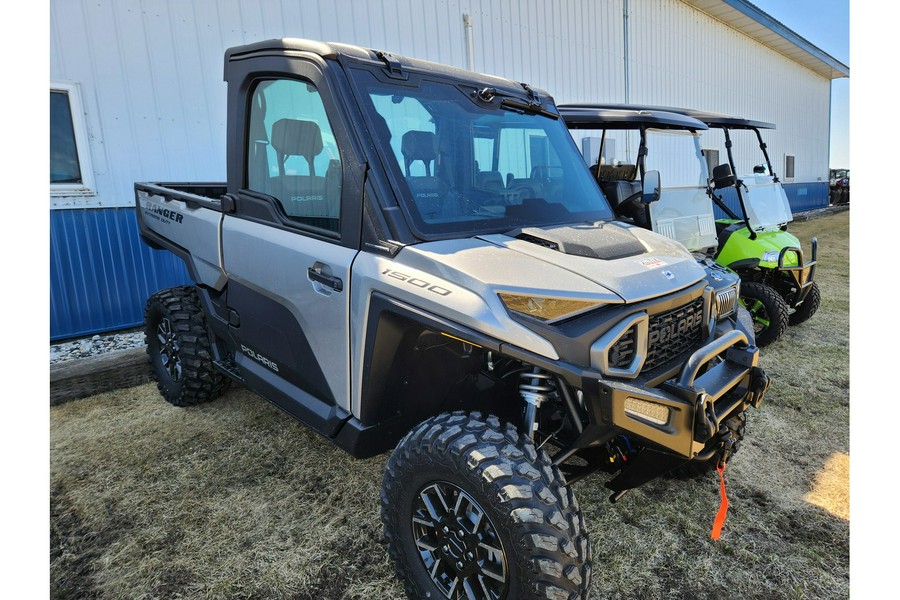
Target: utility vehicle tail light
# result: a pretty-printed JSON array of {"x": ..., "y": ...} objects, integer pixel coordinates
[{"x": 648, "y": 411}]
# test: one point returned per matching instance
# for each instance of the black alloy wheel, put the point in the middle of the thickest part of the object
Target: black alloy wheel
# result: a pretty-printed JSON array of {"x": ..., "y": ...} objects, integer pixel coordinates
[
  {"x": 169, "y": 349},
  {"x": 458, "y": 544},
  {"x": 472, "y": 510}
]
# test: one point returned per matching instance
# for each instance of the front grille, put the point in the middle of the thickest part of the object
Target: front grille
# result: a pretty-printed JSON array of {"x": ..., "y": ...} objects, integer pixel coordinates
[
  {"x": 673, "y": 332},
  {"x": 725, "y": 302},
  {"x": 622, "y": 352}
]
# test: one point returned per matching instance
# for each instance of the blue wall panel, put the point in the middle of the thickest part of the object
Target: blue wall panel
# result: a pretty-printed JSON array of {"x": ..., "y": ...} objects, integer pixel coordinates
[
  {"x": 807, "y": 196},
  {"x": 101, "y": 273},
  {"x": 801, "y": 196}
]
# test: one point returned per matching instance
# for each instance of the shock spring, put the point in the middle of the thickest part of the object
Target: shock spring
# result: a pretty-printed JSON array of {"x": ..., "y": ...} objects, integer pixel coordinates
[{"x": 536, "y": 386}]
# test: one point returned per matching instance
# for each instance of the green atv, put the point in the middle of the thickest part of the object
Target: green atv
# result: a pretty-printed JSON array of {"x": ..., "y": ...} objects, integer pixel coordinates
[{"x": 777, "y": 284}]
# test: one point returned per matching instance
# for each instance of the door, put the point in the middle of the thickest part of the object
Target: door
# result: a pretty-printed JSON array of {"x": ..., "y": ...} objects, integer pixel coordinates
[{"x": 288, "y": 250}]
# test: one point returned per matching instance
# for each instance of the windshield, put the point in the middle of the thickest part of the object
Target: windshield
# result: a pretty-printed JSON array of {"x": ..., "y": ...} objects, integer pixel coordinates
[
  {"x": 462, "y": 167},
  {"x": 767, "y": 204},
  {"x": 684, "y": 211}
]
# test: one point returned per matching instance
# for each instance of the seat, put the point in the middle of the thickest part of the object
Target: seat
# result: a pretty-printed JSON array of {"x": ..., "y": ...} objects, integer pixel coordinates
[
  {"x": 489, "y": 180},
  {"x": 300, "y": 195},
  {"x": 429, "y": 193},
  {"x": 625, "y": 199},
  {"x": 418, "y": 145}
]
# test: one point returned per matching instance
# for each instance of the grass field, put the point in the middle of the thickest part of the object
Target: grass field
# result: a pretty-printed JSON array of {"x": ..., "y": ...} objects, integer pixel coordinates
[{"x": 237, "y": 500}]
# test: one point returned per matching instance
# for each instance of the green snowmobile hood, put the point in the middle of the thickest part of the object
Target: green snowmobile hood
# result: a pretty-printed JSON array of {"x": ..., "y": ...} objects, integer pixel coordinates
[{"x": 739, "y": 246}]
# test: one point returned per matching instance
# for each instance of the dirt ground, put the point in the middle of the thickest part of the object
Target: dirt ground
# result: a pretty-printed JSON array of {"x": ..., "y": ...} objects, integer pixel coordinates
[{"x": 236, "y": 500}]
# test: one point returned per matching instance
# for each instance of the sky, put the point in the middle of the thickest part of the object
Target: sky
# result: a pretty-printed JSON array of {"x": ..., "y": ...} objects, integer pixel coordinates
[{"x": 825, "y": 24}]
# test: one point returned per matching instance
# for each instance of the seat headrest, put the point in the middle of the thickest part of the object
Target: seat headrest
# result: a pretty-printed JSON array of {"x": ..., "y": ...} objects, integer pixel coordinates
[
  {"x": 419, "y": 145},
  {"x": 293, "y": 137}
]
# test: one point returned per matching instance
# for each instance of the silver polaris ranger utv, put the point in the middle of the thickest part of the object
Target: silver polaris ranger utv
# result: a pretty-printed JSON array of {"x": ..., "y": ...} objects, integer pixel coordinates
[{"x": 411, "y": 256}]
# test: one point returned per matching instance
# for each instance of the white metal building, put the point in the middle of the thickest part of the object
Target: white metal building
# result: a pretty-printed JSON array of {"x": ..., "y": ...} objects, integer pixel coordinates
[{"x": 137, "y": 95}]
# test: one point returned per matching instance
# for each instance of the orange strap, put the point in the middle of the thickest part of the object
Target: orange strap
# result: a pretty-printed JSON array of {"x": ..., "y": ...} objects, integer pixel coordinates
[{"x": 723, "y": 507}]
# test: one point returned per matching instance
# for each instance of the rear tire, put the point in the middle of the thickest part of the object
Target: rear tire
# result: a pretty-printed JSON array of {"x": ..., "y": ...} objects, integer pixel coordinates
[
  {"x": 808, "y": 307},
  {"x": 768, "y": 309},
  {"x": 178, "y": 345},
  {"x": 472, "y": 509}
]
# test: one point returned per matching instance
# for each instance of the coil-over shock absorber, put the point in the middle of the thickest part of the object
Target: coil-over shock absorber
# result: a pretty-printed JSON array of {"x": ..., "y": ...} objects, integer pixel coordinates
[{"x": 536, "y": 386}]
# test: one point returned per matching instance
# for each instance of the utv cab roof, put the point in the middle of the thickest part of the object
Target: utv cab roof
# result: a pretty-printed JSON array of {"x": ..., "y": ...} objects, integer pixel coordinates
[
  {"x": 711, "y": 119},
  {"x": 597, "y": 116},
  {"x": 394, "y": 64}
]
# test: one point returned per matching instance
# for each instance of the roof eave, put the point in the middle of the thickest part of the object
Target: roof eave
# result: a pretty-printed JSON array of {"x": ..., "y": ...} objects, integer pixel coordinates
[{"x": 775, "y": 35}]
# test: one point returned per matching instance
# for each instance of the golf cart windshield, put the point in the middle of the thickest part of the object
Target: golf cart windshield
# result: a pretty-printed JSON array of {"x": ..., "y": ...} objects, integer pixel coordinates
[
  {"x": 464, "y": 163},
  {"x": 767, "y": 204},
  {"x": 764, "y": 198},
  {"x": 684, "y": 211}
]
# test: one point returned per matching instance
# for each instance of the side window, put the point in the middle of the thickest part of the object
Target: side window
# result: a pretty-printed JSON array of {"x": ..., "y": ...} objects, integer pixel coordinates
[
  {"x": 788, "y": 166},
  {"x": 70, "y": 159},
  {"x": 292, "y": 154}
]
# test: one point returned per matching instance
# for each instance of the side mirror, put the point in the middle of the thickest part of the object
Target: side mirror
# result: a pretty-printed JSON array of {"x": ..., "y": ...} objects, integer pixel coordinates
[
  {"x": 722, "y": 176},
  {"x": 652, "y": 187}
]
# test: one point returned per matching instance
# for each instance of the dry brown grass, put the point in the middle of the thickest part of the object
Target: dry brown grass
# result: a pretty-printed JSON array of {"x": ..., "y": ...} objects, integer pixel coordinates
[{"x": 237, "y": 500}]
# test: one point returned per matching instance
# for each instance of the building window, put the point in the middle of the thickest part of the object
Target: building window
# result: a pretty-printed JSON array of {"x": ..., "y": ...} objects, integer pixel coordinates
[
  {"x": 712, "y": 159},
  {"x": 788, "y": 166},
  {"x": 70, "y": 164}
]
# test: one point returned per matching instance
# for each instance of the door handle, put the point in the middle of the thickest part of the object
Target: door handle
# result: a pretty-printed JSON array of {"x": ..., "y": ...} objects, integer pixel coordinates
[{"x": 316, "y": 275}]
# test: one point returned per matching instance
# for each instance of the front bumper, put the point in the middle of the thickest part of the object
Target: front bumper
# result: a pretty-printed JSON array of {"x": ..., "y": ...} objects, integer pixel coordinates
[
  {"x": 683, "y": 414},
  {"x": 801, "y": 275}
]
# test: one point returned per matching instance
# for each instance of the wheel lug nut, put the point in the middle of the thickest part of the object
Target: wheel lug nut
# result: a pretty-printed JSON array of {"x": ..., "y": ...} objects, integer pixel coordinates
[
  {"x": 446, "y": 529},
  {"x": 459, "y": 564},
  {"x": 469, "y": 555},
  {"x": 445, "y": 548}
]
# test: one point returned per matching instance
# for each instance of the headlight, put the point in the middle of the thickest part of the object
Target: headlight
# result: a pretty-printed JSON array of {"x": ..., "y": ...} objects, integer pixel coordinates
[
  {"x": 650, "y": 411},
  {"x": 726, "y": 300},
  {"x": 546, "y": 309},
  {"x": 770, "y": 256}
]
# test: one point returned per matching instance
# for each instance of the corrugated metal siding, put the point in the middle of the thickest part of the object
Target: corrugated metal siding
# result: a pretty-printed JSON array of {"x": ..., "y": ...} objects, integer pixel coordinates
[
  {"x": 683, "y": 57},
  {"x": 154, "y": 100},
  {"x": 101, "y": 273}
]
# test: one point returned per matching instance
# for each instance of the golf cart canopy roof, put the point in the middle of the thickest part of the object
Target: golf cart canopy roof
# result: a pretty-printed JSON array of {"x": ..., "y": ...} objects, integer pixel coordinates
[
  {"x": 597, "y": 116},
  {"x": 709, "y": 118}
]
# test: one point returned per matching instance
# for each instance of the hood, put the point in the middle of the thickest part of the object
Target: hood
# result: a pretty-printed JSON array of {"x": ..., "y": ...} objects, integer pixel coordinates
[{"x": 607, "y": 260}]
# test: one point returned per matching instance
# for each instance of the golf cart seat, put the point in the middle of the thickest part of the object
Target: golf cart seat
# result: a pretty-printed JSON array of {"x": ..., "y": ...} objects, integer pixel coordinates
[{"x": 625, "y": 199}]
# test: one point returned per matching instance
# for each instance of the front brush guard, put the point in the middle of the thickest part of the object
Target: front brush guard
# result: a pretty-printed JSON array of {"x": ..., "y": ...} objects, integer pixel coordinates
[
  {"x": 716, "y": 380},
  {"x": 803, "y": 274},
  {"x": 699, "y": 405}
]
